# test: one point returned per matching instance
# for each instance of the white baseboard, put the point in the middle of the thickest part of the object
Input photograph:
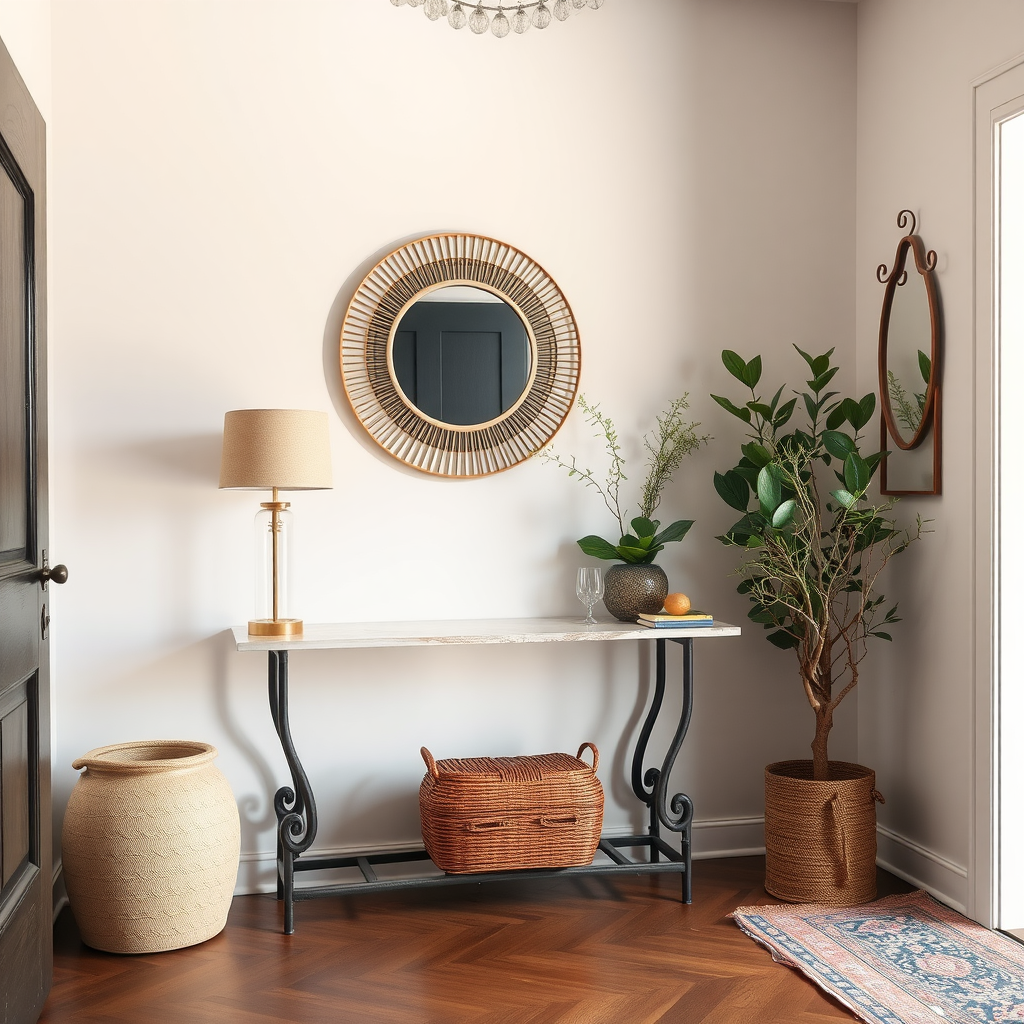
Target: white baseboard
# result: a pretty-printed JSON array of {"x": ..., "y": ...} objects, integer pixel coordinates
[
  {"x": 727, "y": 837},
  {"x": 946, "y": 881}
]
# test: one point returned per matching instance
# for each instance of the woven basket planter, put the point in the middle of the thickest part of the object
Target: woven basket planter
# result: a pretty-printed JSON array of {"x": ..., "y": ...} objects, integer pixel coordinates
[
  {"x": 819, "y": 837},
  {"x": 150, "y": 846},
  {"x": 509, "y": 813}
]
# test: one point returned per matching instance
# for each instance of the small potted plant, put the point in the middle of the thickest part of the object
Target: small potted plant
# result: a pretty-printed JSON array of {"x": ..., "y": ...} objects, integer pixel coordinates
[
  {"x": 814, "y": 546},
  {"x": 637, "y": 584}
]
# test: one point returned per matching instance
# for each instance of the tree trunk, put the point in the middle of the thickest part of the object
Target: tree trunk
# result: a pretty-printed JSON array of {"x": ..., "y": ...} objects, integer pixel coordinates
[{"x": 819, "y": 748}]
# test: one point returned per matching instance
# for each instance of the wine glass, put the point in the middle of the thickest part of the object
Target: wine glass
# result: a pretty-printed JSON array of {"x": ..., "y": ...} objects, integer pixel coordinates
[{"x": 590, "y": 590}]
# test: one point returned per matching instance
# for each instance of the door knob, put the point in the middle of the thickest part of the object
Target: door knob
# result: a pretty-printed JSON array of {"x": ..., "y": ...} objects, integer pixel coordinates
[{"x": 58, "y": 574}]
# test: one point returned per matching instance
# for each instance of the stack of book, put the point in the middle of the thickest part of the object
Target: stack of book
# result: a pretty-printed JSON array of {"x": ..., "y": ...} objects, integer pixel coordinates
[{"x": 662, "y": 620}]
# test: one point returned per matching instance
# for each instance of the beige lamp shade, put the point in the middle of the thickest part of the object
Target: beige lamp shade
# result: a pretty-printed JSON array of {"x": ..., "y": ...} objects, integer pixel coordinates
[{"x": 288, "y": 449}]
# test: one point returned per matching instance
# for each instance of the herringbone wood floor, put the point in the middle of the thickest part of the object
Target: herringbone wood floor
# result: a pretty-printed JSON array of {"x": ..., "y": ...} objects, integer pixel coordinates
[{"x": 583, "y": 951}]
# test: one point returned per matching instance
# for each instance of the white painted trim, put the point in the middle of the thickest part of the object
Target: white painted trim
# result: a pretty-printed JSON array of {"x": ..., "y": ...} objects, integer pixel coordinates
[
  {"x": 947, "y": 881},
  {"x": 727, "y": 837},
  {"x": 994, "y": 99}
]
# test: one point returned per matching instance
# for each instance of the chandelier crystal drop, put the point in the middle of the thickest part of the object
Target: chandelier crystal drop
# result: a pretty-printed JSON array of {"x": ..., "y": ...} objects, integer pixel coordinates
[
  {"x": 541, "y": 16},
  {"x": 500, "y": 25},
  {"x": 478, "y": 21},
  {"x": 457, "y": 16},
  {"x": 502, "y": 17}
]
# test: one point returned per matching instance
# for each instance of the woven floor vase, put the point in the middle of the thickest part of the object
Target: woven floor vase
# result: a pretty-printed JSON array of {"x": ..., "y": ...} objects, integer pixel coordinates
[
  {"x": 150, "y": 846},
  {"x": 819, "y": 837}
]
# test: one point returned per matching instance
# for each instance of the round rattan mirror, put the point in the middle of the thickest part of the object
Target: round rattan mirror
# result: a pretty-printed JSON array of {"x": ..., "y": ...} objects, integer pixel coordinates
[{"x": 470, "y": 391}]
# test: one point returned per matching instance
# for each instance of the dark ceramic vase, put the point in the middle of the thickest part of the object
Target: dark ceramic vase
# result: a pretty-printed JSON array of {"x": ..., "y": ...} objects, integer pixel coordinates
[{"x": 632, "y": 589}]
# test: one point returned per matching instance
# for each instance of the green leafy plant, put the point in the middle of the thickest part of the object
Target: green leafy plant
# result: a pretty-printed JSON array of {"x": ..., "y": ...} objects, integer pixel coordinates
[
  {"x": 813, "y": 553},
  {"x": 671, "y": 440},
  {"x": 909, "y": 412}
]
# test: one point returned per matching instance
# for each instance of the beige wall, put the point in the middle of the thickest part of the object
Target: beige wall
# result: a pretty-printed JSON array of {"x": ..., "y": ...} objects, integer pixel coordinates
[
  {"x": 222, "y": 175},
  {"x": 916, "y": 62}
]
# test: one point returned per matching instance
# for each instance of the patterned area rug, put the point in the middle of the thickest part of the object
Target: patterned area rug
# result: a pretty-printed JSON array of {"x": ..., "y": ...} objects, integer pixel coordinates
[{"x": 900, "y": 960}]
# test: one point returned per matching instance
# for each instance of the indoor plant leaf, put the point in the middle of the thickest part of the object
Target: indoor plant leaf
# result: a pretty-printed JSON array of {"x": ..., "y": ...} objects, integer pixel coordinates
[
  {"x": 769, "y": 489},
  {"x": 598, "y": 547},
  {"x": 733, "y": 489},
  {"x": 675, "y": 531},
  {"x": 856, "y": 473}
]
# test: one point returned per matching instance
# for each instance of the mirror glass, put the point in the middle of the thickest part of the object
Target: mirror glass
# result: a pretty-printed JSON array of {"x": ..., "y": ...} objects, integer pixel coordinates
[
  {"x": 461, "y": 355},
  {"x": 908, "y": 355}
]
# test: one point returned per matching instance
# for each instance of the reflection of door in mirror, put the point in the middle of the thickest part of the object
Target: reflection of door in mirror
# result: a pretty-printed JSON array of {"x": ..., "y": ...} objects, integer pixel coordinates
[
  {"x": 908, "y": 357},
  {"x": 461, "y": 355}
]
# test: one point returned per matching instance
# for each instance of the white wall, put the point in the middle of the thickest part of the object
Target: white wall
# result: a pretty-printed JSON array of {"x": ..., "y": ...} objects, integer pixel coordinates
[
  {"x": 25, "y": 30},
  {"x": 916, "y": 62},
  {"x": 221, "y": 177}
]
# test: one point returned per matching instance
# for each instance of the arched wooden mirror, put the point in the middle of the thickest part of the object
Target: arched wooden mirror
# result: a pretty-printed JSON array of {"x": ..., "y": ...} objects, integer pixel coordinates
[
  {"x": 460, "y": 355},
  {"x": 909, "y": 340}
]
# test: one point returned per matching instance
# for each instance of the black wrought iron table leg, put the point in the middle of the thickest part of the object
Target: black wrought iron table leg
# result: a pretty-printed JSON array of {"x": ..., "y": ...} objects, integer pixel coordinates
[
  {"x": 652, "y": 786},
  {"x": 294, "y": 805}
]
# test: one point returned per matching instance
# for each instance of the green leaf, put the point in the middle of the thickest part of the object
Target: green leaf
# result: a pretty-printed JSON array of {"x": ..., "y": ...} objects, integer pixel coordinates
[
  {"x": 845, "y": 498},
  {"x": 821, "y": 381},
  {"x": 838, "y": 444},
  {"x": 784, "y": 413},
  {"x": 925, "y": 366},
  {"x": 735, "y": 365},
  {"x": 752, "y": 373},
  {"x": 809, "y": 360},
  {"x": 769, "y": 489},
  {"x": 867, "y": 408},
  {"x": 758, "y": 454},
  {"x": 881, "y": 635},
  {"x": 778, "y": 395},
  {"x": 733, "y": 489},
  {"x": 644, "y": 527},
  {"x": 783, "y": 514},
  {"x": 783, "y": 640},
  {"x": 635, "y": 555},
  {"x": 743, "y": 414},
  {"x": 761, "y": 409},
  {"x": 856, "y": 473},
  {"x": 598, "y": 547},
  {"x": 811, "y": 406},
  {"x": 676, "y": 531},
  {"x": 748, "y": 473},
  {"x": 820, "y": 364},
  {"x": 836, "y": 418}
]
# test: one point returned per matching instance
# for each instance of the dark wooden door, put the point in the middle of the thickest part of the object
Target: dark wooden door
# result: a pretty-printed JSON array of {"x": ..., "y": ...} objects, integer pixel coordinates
[{"x": 25, "y": 852}]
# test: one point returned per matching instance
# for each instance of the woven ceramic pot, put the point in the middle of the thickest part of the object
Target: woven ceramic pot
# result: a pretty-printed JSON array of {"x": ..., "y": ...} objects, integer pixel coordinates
[
  {"x": 150, "y": 846},
  {"x": 819, "y": 837},
  {"x": 632, "y": 589}
]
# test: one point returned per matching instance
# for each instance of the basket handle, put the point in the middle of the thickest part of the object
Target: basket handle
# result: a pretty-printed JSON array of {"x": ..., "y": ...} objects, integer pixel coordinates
[
  {"x": 840, "y": 822},
  {"x": 877, "y": 797},
  {"x": 551, "y": 822},
  {"x": 485, "y": 825},
  {"x": 428, "y": 760},
  {"x": 593, "y": 750}
]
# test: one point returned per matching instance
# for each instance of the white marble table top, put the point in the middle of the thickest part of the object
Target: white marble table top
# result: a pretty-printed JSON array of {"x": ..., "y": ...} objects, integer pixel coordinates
[{"x": 324, "y": 636}]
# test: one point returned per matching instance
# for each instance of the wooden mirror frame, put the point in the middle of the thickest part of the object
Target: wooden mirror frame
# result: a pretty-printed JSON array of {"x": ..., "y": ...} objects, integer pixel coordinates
[
  {"x": 400, "y": 428},
  {"x": 931, "y": 418}
]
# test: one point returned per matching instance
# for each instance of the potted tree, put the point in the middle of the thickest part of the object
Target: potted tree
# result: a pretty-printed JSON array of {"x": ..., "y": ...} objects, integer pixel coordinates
[
  {"x": 637, "y": 584},
  {"x": 813, "y": 546}
]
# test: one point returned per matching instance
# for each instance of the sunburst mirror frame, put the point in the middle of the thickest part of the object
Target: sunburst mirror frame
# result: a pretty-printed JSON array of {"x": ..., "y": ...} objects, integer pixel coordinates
[{"x": 398, "y": 426}]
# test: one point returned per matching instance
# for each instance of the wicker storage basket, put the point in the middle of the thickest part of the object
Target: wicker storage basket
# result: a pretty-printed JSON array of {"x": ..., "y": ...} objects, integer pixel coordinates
[
  {"x": 150, "y": 846},
  {"x": 819, "y": 837},
  {"x": 507, "y": 813}
]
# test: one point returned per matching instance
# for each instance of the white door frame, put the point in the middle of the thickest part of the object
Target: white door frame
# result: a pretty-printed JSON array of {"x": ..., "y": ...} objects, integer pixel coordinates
[{"x": 998, "y": 96}]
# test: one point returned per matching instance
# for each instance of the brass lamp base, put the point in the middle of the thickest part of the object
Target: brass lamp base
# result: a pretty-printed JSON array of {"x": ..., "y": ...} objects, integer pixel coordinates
[{"x": 275, "y": 627}]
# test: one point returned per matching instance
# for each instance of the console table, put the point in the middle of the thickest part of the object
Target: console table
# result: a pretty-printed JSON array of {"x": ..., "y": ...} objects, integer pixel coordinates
[{"x": 295, "y": 805}]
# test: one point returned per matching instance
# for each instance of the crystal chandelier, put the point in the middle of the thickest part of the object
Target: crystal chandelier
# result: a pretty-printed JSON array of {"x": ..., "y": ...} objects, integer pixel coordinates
[{"x": 510, "y": 17}]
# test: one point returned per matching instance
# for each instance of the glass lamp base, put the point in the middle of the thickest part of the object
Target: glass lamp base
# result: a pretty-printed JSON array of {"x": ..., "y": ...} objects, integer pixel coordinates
[{"x": 275, "y": 627}]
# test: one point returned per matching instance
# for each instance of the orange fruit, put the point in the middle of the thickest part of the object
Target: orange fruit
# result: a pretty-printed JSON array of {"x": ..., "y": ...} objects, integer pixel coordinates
[{"x": 677, "y": 604}]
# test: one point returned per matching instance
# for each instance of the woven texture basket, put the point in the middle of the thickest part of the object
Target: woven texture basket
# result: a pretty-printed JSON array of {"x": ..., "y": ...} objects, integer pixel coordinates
[
  {"x": 819, "y": 837},
  {"x": 508, "y": 813},
  {"x": 150, "y": 846}
]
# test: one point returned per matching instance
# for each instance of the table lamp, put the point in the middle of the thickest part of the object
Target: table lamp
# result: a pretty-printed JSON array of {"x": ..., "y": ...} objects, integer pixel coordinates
[{"x": 275, "y": 450}]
